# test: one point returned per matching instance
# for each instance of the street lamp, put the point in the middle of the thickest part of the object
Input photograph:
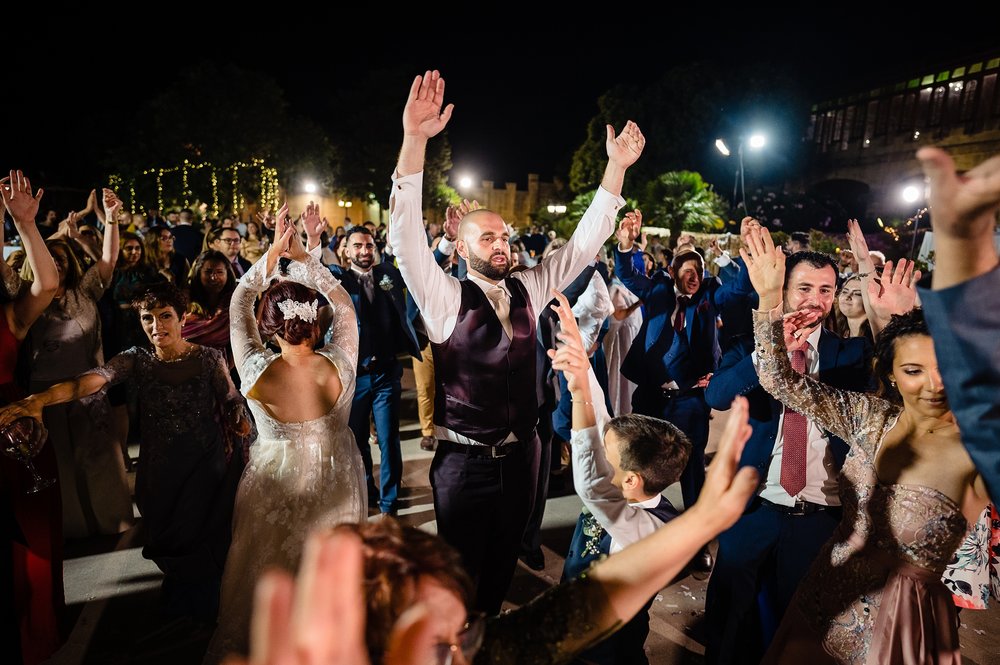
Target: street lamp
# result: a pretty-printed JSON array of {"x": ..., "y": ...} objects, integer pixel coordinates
[
  {"x": 755, "y": 142},
  {"x": 345, "y": 205},
  {"x": 556, "y": 209},
  {"x": 465, "y": 182},
  {"x": 912, "y": 194},
  {"x": 310, "y": 187}
]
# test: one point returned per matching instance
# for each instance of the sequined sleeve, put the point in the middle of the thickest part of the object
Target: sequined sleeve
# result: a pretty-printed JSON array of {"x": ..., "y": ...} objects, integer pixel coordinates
[
  {"x": 248, "y": 349},
  {"x": 344, "y": 336},
  {"x": 11, "y": 281},
  {"x": 856, "y": 417},
  {"x": 552, "y": 628},
  {"x": 118, "y": 369}
]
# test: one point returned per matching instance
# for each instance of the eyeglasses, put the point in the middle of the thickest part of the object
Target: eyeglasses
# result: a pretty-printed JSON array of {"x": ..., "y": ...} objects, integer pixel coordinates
[
  {"x": 468, "y": 642},
  {"x": 231, "y": 241},
  {"x": 166, "y": 237}
]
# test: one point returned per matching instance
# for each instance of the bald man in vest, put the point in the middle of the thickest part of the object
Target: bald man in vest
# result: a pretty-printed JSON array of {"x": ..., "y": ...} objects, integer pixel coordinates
[{"x": 483, "y": 334}]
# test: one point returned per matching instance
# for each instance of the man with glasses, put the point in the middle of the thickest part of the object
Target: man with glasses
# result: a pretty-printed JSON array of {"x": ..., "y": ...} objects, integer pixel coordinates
[{"x": 228, "y": 241}]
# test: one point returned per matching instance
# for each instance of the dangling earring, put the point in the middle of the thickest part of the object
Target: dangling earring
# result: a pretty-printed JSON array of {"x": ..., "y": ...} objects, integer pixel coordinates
[{"x": 892, "y": 383}]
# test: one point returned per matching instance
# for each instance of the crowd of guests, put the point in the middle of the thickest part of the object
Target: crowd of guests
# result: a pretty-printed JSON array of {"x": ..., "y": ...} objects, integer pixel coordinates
[{"x": 257, "y": 362}]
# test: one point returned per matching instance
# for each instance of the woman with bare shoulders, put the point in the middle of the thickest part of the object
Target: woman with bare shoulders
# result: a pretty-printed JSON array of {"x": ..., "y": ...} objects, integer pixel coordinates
[{"x": 304, "y": 470}]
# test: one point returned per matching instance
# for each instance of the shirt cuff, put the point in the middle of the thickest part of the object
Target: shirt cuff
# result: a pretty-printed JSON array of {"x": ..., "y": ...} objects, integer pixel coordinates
[
  {"x": 407, "y": 181},
  {"x": 723, "y": 260},
  {"x": 605, "y": 198},
  {"x": 583, "y": 436},
  {"x": 446, "y": 246}
]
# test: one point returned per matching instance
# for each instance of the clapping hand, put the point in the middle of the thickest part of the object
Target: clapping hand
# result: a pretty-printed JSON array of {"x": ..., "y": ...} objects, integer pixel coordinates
[
  {"x": 266, "y": 218},
  {"x": 628, "y": 230},
  {"x": 625, "y": 148},
  {"x": 859, "y": 246},
  {"x": 897, "y": 293},
  {"x": 422, "y": 115},
  {"x": 287, "y": 243},
  {"x": 112, "y": 205},
  {"x": 570, "y": 358},
  {"x": 765, "y": 266},
  {"x": 18, "y": 199}
]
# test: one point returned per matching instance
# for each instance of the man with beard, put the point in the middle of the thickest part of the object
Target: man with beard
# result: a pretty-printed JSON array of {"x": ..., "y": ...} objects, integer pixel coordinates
[
  {"x": 384, "y": 331},
  {"x": 483, "y": 332},
  {"x": 764, "y": 555},
  {"x": 677, "y": 348}
]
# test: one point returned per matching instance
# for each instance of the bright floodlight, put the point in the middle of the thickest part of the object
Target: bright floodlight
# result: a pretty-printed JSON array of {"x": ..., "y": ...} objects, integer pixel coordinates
[
  {"x": 911, "y": 194},
  {"x": 757, "y": 141},
  {"x": 721, "y": 146},
  {"x": 465, "y": 182},
  {"x": 310, "y": 187},
  {"x": 345, "y": 204}
]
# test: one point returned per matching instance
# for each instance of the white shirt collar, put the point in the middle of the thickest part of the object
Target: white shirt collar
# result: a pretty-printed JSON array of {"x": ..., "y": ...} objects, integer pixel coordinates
[{"x": 486, "y": 286}]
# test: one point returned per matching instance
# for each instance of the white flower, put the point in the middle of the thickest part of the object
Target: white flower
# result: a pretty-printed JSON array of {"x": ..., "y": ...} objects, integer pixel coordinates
[
  {"x": 386, "y": 283},
  {"x": 304, "y": 310}
]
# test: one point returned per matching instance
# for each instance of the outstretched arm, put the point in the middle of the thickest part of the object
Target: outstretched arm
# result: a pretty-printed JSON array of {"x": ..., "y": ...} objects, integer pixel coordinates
[
  {"x": 110, "y": 250},
  {"x": 436, "y": 294},
  {"x": 628, "y": 232},
  {"x": 23, "y": 207}
]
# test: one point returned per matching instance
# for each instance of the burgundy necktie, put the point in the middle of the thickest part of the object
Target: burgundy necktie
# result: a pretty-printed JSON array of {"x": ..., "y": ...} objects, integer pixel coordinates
[
  {"x": 793, "y": 433},
  {"x": 682, "y": 303}
]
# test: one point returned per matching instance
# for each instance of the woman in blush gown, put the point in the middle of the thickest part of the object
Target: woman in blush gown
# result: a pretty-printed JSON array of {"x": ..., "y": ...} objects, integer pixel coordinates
[
  {"x": 874, "y": 593},
  {"x": 305, "y": 470}
]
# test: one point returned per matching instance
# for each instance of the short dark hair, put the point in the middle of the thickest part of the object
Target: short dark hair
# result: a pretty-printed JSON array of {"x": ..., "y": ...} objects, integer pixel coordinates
[
  {"x": 272, "y": 320},
  {"x": 216, "y": 233},
  {"x": 358, "y": 229},
  {"x": 800, "y": 237},
  {"x": 653, "y": 449},
  {"x": 815, "y": 259},
  {"x": 902, "y": 325},
  {"x": 163, "y": 294}
]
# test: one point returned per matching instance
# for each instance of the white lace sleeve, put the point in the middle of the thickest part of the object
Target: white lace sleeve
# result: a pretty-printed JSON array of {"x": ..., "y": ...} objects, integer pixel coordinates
[
  {"x": 344, "y": 335},
  {"x": 248, "y": 349}
]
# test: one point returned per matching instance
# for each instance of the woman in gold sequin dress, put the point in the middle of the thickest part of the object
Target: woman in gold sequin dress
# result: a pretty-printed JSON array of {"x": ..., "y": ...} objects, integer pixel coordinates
[{"x": 874, "y": 593}]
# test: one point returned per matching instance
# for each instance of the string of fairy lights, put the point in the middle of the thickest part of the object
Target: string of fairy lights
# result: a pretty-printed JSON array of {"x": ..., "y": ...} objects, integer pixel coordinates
[{"x": 268, "y": 185}]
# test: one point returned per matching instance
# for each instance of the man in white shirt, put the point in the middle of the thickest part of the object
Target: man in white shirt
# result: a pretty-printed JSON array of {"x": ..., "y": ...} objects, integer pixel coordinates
[{"x": 483, "y": 334}]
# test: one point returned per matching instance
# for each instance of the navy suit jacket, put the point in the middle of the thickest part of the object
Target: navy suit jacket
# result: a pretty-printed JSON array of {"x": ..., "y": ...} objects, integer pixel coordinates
[
  {"x": 843, "y": 363},
  {"x": 397, "y": 296},
  {"x": 656, "y": 357},
  {"x": 964, "y": 321}
]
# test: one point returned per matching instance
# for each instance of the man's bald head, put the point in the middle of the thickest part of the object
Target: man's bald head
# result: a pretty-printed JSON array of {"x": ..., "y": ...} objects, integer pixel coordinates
[{"x": 484, "y": 241}]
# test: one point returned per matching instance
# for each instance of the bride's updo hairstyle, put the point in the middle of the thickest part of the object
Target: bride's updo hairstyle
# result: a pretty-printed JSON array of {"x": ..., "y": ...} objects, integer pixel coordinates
[{"x": 297, "y": 303}]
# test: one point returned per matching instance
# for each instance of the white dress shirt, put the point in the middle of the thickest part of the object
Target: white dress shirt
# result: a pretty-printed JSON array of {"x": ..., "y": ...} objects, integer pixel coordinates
[
  {"x": 592, "y": 473},
  {"x": 438, "y": 296},
  {"x": 821, "y": 472},
  {"x": 592, "y": 308}
]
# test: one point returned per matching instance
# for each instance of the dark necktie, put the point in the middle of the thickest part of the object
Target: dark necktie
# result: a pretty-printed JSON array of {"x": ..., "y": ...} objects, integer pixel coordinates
[
  {"x": 367, "y": 285},
  {"x": 796, "y": 440},
  {"x": 682, "y": 303}
]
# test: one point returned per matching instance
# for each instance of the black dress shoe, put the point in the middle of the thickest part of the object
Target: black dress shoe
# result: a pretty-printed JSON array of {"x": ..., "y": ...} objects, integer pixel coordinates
[
  {"x": 534, "y": 559},
  {"x": 703, "y": 561},
  {"x": 428, "y": 443}
]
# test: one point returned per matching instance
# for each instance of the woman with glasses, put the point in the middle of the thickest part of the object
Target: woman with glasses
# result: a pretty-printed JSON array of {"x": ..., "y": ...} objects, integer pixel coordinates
[
  {"x": 65, "y": 342},
  {"x": 161, "y": 255}
]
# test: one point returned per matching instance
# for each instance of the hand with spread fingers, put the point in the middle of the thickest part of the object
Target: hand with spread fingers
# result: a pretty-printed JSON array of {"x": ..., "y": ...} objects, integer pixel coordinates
[
  {"x": 18, "y": 199},
  {"x": 422, "y": 115},
  {"x": 896, "y": 294},
  {"x": 628, "y": 230},
  {"x": 570, "y": 358},
  {"x": 453, "y": 217}
]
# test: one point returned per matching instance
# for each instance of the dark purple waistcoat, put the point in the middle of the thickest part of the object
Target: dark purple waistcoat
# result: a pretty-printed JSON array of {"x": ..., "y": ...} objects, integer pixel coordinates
[{"x": 485, "y": 383}]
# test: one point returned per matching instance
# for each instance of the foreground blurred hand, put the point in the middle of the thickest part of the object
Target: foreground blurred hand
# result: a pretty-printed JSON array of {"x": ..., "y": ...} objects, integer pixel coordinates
[{"x": 320, "y": 618}]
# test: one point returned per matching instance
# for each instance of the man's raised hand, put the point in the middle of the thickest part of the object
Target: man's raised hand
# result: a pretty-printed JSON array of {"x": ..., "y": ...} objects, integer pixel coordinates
[
  {"x": 313, "y": 224},
  {"x": 628, "y": 230},
  {"x": 422, "y": 115},
  {"x": 18, "y": 199},
  {"x": 625, "y": 148},
  {"x": 765, "y": 266}
]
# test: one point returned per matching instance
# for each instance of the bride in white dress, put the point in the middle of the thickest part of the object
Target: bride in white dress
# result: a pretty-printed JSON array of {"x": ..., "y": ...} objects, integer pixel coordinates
[{"x": 304, "y": 470}]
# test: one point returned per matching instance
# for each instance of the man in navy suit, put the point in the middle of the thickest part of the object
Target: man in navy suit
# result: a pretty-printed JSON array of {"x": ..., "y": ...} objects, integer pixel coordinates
[
  {"x": 385, "y": 330},
  {"x": 764, "y": 555},
  {"x": 677, "y": 347},
  {"x": 963, "y": 309}
]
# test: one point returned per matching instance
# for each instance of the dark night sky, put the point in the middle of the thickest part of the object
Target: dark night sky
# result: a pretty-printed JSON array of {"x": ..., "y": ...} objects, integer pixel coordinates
[{"x": 523, "y": 96}]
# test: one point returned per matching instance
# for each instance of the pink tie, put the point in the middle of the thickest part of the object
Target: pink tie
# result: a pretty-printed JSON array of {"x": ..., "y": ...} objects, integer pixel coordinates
[{"x": 793, "y": 433}]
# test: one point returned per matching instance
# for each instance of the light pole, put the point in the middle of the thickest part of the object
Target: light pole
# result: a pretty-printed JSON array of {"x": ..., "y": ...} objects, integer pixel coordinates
[{"x": 756, "y": 142}]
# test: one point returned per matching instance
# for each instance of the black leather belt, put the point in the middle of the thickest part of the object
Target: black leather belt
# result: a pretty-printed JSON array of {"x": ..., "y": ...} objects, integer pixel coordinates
[
  {"x": 800, "y": 507},
  {"x": 495, "y": 452}
]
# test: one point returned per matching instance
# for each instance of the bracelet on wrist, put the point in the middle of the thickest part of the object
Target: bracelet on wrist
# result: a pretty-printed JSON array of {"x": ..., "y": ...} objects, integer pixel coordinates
[{"x": 581, "y": 401}]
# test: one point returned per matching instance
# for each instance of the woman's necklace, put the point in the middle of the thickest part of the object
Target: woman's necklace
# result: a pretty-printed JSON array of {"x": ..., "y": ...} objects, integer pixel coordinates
[{"x": 183, "y": 355}]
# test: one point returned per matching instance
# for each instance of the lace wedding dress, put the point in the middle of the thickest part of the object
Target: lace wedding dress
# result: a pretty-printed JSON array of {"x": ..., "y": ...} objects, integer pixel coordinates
[{"x": 300, "y": 475}]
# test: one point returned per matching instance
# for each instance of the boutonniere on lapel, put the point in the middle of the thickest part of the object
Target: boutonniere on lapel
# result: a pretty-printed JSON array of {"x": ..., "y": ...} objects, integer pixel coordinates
[{"x": 386, "y": 283}]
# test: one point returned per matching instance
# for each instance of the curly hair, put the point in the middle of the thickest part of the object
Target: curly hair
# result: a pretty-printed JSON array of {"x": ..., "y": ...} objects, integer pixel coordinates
[
  {"x": 163, "y": 294},
  {"x": 653, "y": 449},
  {"x": 395, "y": 558},
  {"x": 906, "y": 325},
  {"x": 272, "y": 320}
]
